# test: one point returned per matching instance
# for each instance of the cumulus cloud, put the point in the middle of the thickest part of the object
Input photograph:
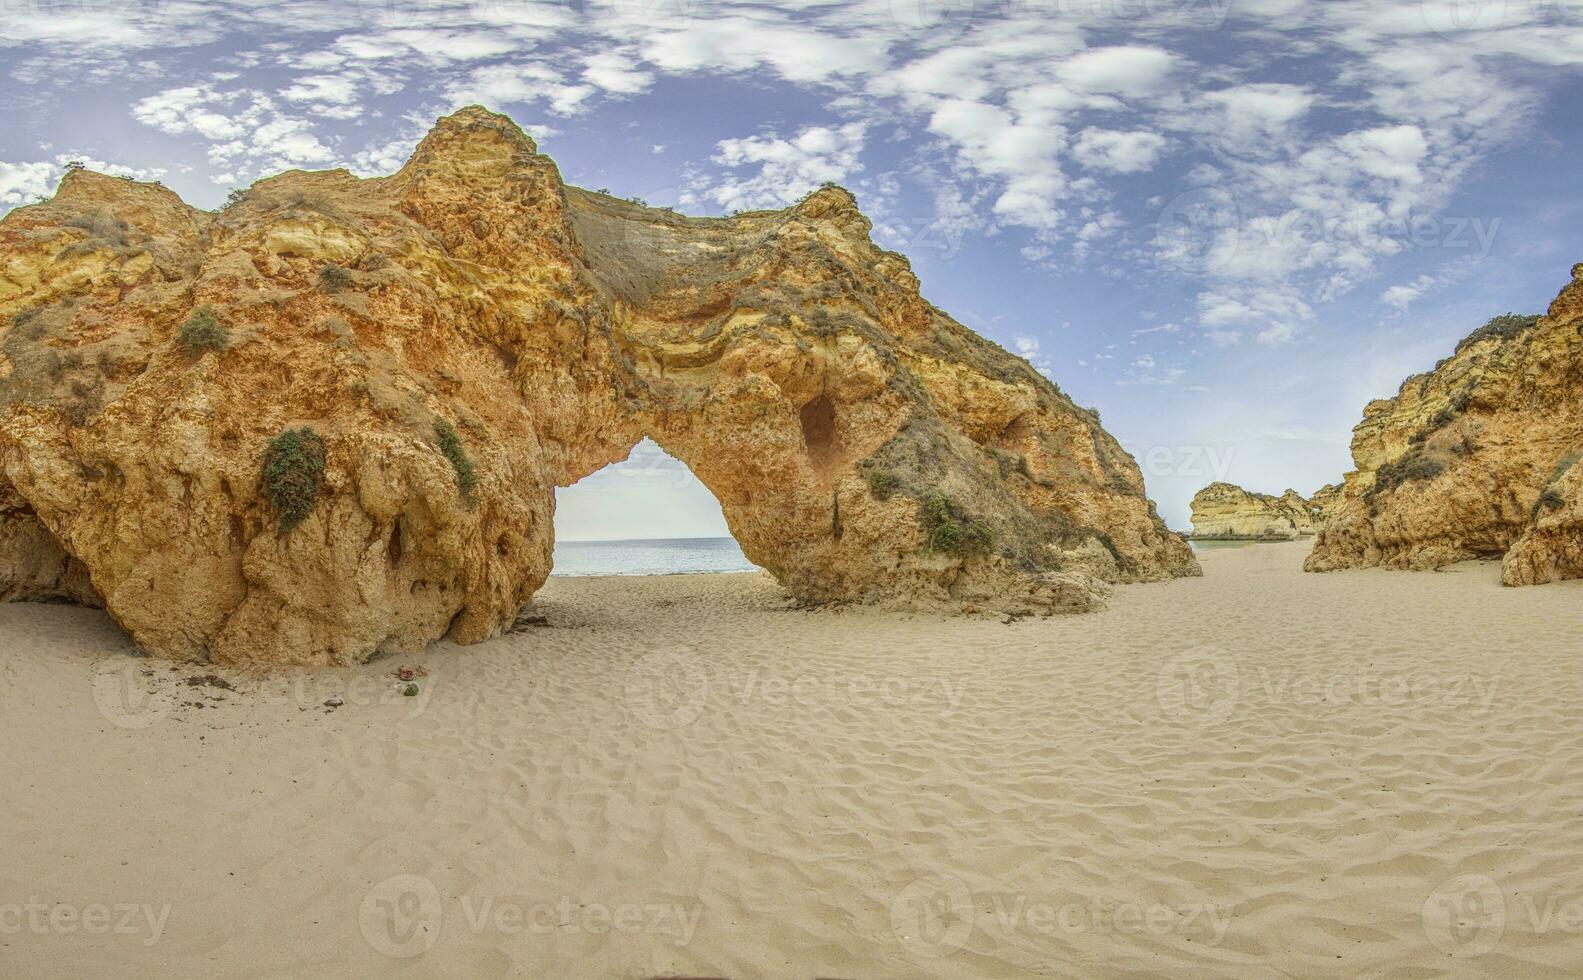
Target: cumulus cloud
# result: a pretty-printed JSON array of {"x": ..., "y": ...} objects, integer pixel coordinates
[
  {"x": 23, "y": 183},
  {"x": 1322, "y": 125},
  {"x": 1400, "y": 296},
  {"x": 780, "y": 170},
  {"x": 1118, "y": 152}
]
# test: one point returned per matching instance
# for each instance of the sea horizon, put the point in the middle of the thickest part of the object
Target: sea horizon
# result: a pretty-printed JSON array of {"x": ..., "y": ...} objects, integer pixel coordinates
[{"x": 649, "y": 556}]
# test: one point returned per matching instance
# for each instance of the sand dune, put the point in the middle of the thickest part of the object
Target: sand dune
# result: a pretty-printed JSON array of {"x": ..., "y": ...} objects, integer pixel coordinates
[{"x": 1256, "y": 773}]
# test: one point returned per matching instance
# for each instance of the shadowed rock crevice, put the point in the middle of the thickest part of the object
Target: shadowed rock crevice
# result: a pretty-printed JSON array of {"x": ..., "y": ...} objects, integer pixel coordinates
[{"x": 469, "y": 333}]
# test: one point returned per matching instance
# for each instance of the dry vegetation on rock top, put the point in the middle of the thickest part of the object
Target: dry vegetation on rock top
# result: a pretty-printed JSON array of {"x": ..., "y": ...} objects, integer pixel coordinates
[{"x": 328, "y": 421}]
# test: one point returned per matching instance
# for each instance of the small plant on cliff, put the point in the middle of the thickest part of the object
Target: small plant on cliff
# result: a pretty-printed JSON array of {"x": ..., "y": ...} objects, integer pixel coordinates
[
  {"x": 881, "y": 484},
  {"x": 1551, "y": 499},
  {"x": 1563, "y": 464},
  {"x": 451, "y": 447},
  {"x": 1413, "y": 465},
  {"x": 203, "y": 332},
  {"x": 334, "y": 278},
  {"x": 1503, "y": 327},
  {"x": 293, "y": 471},
  {"x": 950, "y": 529}
]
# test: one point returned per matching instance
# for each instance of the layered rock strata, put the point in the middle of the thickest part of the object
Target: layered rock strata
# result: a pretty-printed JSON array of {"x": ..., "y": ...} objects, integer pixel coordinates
[{"x": 1225, "y": 511}]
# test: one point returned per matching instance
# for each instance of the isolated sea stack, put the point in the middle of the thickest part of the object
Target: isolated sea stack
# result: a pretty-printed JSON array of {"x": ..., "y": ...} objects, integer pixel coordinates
[
  {"x": 328, "y": 421},
  {"x": 1475, "y": 458},
  {"x": 1226, "y": 512}
]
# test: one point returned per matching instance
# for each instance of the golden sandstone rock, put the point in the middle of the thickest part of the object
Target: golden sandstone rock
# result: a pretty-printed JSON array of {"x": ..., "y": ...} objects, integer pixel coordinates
[
  {"x": 1321, "y": 503},
  {"x": 1475, "y": 458},
  {"x": 1225, "y": 511},
  {"x": 328, "y": 421}
]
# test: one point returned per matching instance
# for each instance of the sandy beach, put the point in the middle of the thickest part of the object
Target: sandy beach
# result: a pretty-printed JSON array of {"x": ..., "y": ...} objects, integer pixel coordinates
[{"x": 1257, "y": 773}]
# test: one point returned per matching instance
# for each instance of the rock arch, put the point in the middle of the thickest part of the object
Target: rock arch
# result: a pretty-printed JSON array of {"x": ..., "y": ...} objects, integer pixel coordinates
[{"x": 863, "y": 445}]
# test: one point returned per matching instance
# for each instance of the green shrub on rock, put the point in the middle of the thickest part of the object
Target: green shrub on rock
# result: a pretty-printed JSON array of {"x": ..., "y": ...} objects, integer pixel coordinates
[
  {"x": 203, "y": 332},
  {"x": 293, "y": 473},
  {"x": 451, "y": 447},
  {"x": 950, "y": 529},
  {"x": 1415, "y": 464},
  {"x": 881, "y": 485},
  {"x": 334, "y": 278}
]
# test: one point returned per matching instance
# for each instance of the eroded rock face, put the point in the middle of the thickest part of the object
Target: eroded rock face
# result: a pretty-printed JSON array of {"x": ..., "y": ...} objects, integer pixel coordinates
[
  {"x": 1322, "y": 502},
  {"x": 1473, "y": 459},
  {"x": 863, "y": 445},
  {"x": 1225, "y": 511}
]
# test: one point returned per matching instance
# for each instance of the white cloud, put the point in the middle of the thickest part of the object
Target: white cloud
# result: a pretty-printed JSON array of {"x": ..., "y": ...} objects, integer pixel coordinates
[
  {"x": 1402, "y": 295},
  {"x": 1125, "y": 71},
  {"x": 500, "y": 86},
  {"x": 613, "y": 72},
  {"x": 22, "y": 183},
  {"x": 1323, "y": 122},
  {"x": 334, "y": 89},
  {"x": 786, "y": 168},
  {"x": 1118, "y": 152}
]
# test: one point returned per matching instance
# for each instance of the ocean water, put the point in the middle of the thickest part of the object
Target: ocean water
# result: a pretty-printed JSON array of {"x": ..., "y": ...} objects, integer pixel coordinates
[
  {"x": 683, "y": 556},
  {"x": 650, "y": 556}
]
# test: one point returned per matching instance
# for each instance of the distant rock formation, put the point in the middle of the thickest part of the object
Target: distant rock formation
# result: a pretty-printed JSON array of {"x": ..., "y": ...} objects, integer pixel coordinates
[
  {"x": 328, "y": 421},
  {"x": 1225, "y": 511},
  {"x": 1299, "y": 511},
  {"x": 1474, "y": 459},
  {"x": 1322, "y": 502}
]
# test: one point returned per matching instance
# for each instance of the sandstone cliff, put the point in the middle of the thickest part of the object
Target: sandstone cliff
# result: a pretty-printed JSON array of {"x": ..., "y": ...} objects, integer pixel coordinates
[
  {"x": 1322, "y": 502},
  {"x": 328, "y": 421},
  {"x": 1474, "y": 459},
  {"x": 1225, "y": 511}
]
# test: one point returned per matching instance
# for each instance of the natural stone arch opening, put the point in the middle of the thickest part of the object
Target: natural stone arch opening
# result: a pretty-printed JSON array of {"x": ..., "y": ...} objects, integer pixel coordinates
[
  {"x": 467, "y": 335},
  {"x": 650, "y": 511}
]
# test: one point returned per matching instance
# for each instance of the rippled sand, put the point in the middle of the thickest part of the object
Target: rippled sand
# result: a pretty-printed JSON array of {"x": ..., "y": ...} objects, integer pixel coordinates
[{"x": 1256, "y": 773}]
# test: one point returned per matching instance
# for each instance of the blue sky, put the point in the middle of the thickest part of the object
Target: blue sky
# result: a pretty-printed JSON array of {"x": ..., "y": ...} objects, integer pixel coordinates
[{"x": 1226, "y": 224}]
